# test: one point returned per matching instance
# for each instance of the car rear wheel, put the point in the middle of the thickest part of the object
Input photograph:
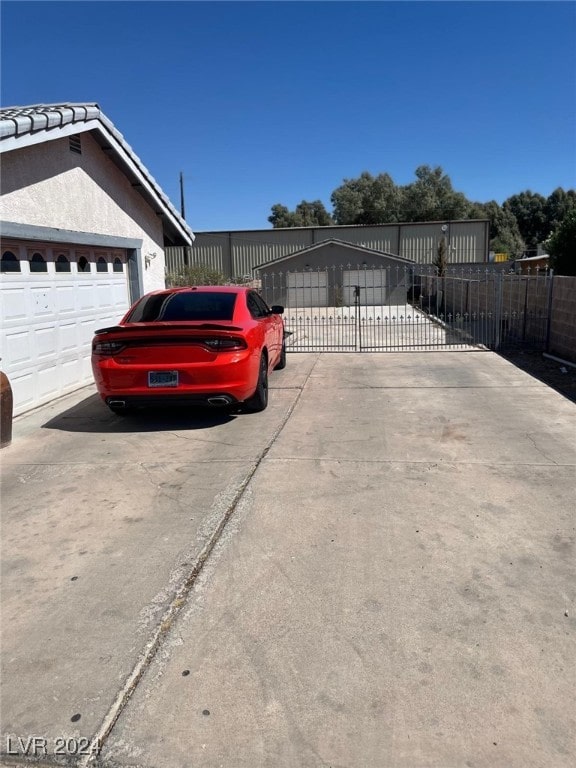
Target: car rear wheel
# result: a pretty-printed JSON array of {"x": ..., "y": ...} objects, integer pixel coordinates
[
  {"x": 259, "y": 399},
  {"x": 282, "y": 361}
]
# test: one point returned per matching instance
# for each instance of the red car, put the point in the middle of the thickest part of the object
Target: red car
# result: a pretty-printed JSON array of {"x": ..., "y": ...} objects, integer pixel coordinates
[{"x": 205, "y": 345}]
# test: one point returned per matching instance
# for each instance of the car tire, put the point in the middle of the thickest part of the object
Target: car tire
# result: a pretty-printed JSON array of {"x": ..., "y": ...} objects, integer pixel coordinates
[
  {"x": 259, "y": 399},
  {"x": 282, "y": 361}
]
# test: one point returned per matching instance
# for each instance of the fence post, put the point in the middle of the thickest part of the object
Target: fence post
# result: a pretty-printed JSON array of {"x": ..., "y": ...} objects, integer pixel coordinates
[
  {"x": 549, "y": 318},
  {"x": 498, "y": 310}
]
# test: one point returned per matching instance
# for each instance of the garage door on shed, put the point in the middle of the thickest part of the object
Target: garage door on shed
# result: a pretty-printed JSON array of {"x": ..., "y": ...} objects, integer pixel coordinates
[
  {"x": 370, "y": 285},
  {"x": 307, "y": 289},
  {"x": 53, "y": 299}
]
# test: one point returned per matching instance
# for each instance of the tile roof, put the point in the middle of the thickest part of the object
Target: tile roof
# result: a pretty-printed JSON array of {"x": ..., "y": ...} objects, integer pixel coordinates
[{"x": 43, "y": 122}]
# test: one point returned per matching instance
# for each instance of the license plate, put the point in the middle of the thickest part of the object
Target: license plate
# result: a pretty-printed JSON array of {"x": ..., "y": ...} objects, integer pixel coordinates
[{"x": 162, "y": 378}]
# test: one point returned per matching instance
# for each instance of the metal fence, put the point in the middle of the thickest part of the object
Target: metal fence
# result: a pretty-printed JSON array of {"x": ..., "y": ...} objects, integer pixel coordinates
[{"x": 360, "y": 308}]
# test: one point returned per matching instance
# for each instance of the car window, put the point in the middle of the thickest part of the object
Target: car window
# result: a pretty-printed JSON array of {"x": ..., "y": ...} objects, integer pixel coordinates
[
  {"x": 256, "y": 306},
  {"x": 260, "y": 301},
  {"x": 184, "y": 306}
]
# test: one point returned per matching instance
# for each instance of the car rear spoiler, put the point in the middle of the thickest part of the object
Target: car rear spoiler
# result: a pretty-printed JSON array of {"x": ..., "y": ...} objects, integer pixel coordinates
[{"x": 167, "y": 325}]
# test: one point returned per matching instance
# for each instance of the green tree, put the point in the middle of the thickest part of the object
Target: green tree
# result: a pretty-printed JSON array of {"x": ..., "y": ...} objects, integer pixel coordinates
[
  {"x": 195, "y": 274},
  {"x": 558, "y": 205},
  {"x": 431, "y": 197},
  {"x": 529, "y": 208},
  {"x": 505, "y": 236},
  {"x": 441, "y": 259},
  {"x": 367, "y": 200},
  {"x": 281, "y": 217},
  {"x": 562, "y": 246},
  {"x": 306, "y": 214}
]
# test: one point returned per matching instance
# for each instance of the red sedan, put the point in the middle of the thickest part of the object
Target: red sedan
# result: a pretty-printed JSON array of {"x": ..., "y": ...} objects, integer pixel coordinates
[{"x": 205, "y": 345}]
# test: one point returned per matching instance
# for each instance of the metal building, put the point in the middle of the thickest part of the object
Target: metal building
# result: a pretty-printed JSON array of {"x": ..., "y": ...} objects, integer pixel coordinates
[{"x": 237, "y": 253}]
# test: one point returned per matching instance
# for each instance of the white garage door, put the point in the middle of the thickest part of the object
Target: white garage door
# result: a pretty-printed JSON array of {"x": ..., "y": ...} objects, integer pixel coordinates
[
  {"x": 52, "y": 300},
  {"x": 307, "y": 289},
  {"x": 371, "y": 284}
]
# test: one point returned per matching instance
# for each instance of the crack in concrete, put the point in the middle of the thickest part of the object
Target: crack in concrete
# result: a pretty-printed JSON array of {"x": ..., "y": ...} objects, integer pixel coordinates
[
  {"x": 180, "y": 593},
  {"x": 530, "y": 437}
]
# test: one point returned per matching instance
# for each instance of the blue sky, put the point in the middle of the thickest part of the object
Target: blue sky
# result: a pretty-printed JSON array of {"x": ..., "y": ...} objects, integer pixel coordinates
[{"x": 274, "y": 102}]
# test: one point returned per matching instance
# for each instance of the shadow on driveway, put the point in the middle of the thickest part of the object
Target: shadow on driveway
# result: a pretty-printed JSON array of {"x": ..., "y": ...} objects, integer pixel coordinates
[
  {"x": 91, "y": 415},
  {"x": 554, "y": 374}
]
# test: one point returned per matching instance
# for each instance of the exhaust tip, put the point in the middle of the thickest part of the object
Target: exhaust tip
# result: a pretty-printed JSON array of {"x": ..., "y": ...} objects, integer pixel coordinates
[
  {"x": 117, "y": 403},
  {"x": 219, "y": 401}
]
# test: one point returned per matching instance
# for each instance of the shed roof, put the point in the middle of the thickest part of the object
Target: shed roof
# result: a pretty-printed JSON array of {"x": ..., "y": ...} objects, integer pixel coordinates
[
  {"x": 362, "y": 249},
  {"x": 24, "y": 126}
]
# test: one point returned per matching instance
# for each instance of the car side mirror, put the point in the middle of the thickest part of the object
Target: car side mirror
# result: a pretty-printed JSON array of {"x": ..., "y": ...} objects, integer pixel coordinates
[{"x": 277, "y": 309}]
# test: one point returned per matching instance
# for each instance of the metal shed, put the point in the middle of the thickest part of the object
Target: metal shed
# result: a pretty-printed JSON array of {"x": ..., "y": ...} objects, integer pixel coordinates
[{"x": 335, "y": 273}]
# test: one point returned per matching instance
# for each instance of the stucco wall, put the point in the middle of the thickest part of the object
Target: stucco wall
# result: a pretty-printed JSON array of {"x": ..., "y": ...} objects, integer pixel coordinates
[{"x": 48, "y": 185}]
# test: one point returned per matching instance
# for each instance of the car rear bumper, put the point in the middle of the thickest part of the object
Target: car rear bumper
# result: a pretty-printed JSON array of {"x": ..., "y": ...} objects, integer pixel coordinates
[
  {"x": 234, "y": 378},
  {"x": 208, "y": 399}
]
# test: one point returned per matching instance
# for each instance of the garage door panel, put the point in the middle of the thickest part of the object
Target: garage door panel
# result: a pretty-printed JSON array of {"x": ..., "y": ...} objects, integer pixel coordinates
[
  {"x": 23, "y": 387},
  {"x": 104, "y": 293},
  {"x": 14, "y": 304},
  {"x": 371, "y": 284},
  {"x": 86, "y": 296},
  {"x": 48, "y": 381},
  {"x": 46, "y": 341},
  {"x": 17, "y": 347},
  {"x": 70, "y": 371},
  {"x": 65, "y": 298},
  {"x": 48, "y": 322},
  {"x": 118, "y": 293},
  {"x": 43, "y": 303},
  {"x": 307, "y": 289},
  {"x": 68, "y": 337}
]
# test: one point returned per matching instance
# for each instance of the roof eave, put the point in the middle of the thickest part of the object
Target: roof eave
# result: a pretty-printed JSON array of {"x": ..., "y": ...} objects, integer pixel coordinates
[{"x": 119, "y": 151}]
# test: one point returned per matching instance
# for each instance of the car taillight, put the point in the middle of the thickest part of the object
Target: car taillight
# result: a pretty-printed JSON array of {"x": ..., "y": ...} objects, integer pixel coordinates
[
  {"x": 222, "y": 344},
  {"x": 107, "y": 347}
]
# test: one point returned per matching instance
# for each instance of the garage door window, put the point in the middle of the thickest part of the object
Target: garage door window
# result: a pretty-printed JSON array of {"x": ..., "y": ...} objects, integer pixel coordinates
[
  {"x": 9, "y": 262},
  {"x": 118, "y": 266},
  {"x": 83, "y": 264},
  {"x": 62, "y": 264},
  {"x": 38, "y": 263},
  {"x": 101, "y": 265}
]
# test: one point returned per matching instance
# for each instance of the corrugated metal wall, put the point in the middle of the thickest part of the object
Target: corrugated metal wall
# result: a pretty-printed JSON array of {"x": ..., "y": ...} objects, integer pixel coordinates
[{"x": 235, "y": 254}]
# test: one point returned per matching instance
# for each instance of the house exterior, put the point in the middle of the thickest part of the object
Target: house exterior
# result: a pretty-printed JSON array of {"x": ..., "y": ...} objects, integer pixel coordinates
[
  {"x": 84, "y": 228},
  {"x": 335, "y": 273},
  {"x": 237, "y": 253}
]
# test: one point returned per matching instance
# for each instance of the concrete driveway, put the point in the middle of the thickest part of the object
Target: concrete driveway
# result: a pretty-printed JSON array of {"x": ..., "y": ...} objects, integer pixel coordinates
[{"x": 376, "y": 572}]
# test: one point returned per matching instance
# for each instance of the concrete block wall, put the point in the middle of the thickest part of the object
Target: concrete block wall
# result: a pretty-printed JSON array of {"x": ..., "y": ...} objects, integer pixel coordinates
[
  {"x": 524, "y": 306},
  {"x": 563, "y": 319}
]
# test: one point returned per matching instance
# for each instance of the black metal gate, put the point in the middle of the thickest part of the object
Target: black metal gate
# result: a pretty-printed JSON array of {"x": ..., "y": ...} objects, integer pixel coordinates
[{"x": 369, "y": 309}]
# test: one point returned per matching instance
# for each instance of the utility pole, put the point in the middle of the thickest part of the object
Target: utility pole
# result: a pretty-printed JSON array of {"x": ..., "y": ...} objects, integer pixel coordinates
[{"x": 182, "y": 209}]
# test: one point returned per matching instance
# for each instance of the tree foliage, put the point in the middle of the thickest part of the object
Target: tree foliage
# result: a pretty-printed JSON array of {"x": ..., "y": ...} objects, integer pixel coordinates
[
  {"x": 529, "y": 210},
  {"x": 562, "y": 246},
  {"x": 306, "y": 214},
  {"x": 367, "y": 200},
  {"x": 432, "y": 197},
  {"x": 441, "y": 259},
  {"x": 518, "y": 226},
  {"x": 558, "y": 205},
  {"x": 505, "y": 235}
]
